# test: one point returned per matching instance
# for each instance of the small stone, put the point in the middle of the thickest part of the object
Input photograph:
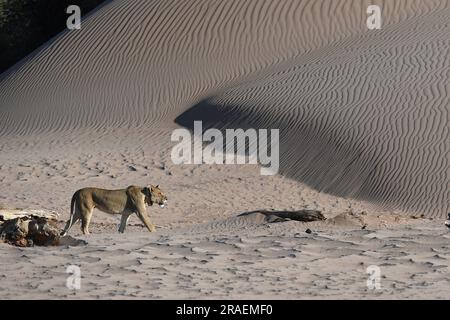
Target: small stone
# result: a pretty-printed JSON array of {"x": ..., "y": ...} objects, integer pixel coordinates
[{"x": 308, "y": 231}]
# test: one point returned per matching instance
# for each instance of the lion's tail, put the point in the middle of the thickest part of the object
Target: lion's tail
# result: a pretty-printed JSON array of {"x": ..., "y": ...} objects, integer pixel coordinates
[{"x": 72, "y": 213}]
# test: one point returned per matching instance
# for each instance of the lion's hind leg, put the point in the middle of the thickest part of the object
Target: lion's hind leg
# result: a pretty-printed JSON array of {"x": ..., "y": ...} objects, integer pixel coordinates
[
  {"x": 86, "y": 215},
  {"x": 74, "y": 217},
  {"x": 124, "y": 220}
]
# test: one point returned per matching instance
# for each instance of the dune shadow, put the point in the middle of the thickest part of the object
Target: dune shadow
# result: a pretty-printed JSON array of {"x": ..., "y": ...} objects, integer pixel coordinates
[{"x": 316, "y": 156}]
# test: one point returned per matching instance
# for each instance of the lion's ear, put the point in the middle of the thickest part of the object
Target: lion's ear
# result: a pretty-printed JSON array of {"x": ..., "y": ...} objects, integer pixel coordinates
[{"x": 157, "y": 186}]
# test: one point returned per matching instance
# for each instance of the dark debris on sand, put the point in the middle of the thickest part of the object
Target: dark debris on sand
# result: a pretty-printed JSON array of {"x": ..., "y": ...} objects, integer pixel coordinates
[
  {"x": 29, "y": 231},
  {"x": 281, "y": 216}
]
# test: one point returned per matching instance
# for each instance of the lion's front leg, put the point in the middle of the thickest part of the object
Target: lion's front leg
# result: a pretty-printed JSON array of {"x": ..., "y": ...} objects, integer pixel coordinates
[{"x": 142, "y": 214}]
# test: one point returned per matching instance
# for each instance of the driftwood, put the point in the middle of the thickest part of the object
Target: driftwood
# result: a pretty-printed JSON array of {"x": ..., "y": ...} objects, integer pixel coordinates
[
  {"x": 9, "y": 214},
  {"x": 29, "y": 231},
  {"x": 280, "y": 216}
]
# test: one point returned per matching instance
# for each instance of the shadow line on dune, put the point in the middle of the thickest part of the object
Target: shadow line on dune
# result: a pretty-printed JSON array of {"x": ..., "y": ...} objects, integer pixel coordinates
[
  {"x": 22, "y": 63},
  {"x": 311, "y": 155}
]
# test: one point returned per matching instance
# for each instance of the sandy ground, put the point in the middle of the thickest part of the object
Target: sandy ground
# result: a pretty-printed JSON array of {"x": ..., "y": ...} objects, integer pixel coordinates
[
  {"x": 242, "y": 257},
  {"x": 363, "y": 119},
  {"x": 204, "y": 249}
]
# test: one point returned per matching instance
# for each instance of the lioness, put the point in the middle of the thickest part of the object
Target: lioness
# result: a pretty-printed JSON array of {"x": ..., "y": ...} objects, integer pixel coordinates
[{"x": 124, "y": 201}]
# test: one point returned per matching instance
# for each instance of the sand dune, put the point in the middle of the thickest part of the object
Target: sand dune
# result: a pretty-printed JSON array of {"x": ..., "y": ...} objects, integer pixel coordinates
[
  {"x": 363, "y": 117},
  {"x": 363, "y": 113},
  {"x": 134, "y": 63}
]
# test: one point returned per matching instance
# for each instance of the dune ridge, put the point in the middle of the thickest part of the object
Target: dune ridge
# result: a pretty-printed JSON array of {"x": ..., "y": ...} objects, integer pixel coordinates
[{"x": 363, "y": 113}]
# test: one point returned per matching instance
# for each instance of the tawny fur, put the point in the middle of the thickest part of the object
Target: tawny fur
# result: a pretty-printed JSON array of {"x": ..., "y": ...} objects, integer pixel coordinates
[{"x": 124, "y": 201}]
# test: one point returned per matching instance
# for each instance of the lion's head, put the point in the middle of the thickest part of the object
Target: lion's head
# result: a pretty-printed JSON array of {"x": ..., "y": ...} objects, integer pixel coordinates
[{"x": 154, "y": 195}]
